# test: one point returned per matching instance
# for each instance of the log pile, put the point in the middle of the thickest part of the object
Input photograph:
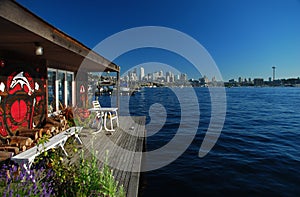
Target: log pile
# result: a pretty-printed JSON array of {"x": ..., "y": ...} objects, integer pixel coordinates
[{"x": 25, "y": 138}]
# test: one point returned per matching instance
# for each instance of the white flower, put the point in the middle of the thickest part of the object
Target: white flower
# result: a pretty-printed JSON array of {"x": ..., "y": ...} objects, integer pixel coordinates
[
  {"x": 2, "y": 87},
  {"x": 36, "y": 86}
]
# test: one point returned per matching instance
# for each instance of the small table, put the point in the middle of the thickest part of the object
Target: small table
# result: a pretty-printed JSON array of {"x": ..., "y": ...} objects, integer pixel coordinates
[{"x": 107, "y": 111}]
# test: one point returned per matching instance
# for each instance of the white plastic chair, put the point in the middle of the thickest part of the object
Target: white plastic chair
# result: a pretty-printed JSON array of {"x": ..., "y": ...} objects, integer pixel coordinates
[{"x": 109, "y": 112}]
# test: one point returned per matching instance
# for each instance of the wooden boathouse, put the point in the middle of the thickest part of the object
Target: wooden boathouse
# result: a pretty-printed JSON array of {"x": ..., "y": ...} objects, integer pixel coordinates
[
  {"x": 39, "y": 64},
  {"x": 39, "y": 71}
]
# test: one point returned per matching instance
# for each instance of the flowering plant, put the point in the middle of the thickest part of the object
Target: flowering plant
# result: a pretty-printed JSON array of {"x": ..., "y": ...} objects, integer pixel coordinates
[
  {"x": 16, "y": 181},
  {"x": 83, "y": 117}
]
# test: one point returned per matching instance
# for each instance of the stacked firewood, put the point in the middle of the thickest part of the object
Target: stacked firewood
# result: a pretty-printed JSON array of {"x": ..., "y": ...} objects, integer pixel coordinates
[{"x": 27, "y": 138}]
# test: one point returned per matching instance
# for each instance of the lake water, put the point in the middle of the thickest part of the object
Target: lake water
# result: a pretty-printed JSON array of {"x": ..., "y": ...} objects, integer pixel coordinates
[{"x": 257, "y": 153}]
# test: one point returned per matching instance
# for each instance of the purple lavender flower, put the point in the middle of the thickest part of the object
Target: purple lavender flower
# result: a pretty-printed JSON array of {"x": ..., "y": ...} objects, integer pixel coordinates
[
  {"x": 15, "y": 168},
  {"x": 11, "y": 193},
  {"x": 22, "y": 176},
  {"x": 21, "y": 182},
  {"x": 30, "y": 190}
]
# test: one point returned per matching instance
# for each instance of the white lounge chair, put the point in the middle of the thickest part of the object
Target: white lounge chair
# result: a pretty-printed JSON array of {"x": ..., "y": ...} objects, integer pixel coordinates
[{"x": 110, "y": 113}]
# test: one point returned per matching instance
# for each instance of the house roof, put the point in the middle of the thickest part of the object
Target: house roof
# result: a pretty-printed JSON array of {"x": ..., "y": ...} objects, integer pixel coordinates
[{"x": 21, "y": 30}]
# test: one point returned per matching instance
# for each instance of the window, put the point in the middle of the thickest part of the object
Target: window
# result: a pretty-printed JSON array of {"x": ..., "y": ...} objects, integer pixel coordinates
[
  {"x": 61, "y": 87},
  {"x": 51, "y": 89},
  {"x": 69, "y": 89}
]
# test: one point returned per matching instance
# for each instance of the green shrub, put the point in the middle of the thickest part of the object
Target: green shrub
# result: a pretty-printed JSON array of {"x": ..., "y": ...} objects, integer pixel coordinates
[{"x": 92, "y": 181}]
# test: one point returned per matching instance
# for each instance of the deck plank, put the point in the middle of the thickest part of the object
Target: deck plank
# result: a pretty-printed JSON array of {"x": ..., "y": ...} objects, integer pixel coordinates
[
  {"x": 137, "y": 162},
  {"x": 129, "y": 157},
  {"x": 129, "y": 136}
]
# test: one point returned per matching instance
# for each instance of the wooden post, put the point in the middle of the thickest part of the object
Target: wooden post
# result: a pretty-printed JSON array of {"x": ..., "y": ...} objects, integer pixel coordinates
[{"x": 118, "y": 88}]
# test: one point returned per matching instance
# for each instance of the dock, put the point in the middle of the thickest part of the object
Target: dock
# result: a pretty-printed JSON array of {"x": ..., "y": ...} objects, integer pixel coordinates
[{"x": 122, "y": 149}]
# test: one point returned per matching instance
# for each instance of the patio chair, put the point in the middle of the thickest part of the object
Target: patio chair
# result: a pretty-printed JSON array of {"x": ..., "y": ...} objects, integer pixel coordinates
[{"x": 110, "y": 113}]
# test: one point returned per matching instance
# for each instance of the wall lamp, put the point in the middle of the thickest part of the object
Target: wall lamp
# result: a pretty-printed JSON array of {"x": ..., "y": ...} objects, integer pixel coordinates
[
  {"x": 38, "y": 49},
  {"x": 2, "y": 63}
]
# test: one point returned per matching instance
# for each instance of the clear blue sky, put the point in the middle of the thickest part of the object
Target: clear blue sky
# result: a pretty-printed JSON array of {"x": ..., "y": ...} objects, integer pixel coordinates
[{"x": 244, "y": 37}]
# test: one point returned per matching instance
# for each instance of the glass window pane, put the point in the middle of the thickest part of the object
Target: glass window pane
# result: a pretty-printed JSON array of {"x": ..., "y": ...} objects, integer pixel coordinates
[
  {"x": 61, "y": 88},
  {"x": 69, "y": 88},
  {"x": 51, "y": 90}
]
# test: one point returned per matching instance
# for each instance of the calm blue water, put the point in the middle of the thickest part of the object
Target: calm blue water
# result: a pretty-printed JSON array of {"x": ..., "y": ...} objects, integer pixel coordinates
[{"x": 258, "y": 152}]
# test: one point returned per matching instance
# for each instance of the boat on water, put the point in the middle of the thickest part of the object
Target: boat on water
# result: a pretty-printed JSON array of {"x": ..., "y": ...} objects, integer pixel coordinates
[
  {"x": 105, "y": 86},
  {"x": 125, "y": 89},
  {"x": 129, "y": 90},
  {"x": 105, "y": 90},
  {"x": 108, "y": 91}
]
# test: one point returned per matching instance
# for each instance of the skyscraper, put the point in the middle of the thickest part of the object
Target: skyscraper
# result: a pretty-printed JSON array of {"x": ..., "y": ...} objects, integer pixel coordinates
[
  {"x": 240, "y": 79},
  {"x": 183, "y": 77},
  {"x": 142, "y": 73},
  {"x": 169, "y": 77},
  {"x": 160, "y": 73}
]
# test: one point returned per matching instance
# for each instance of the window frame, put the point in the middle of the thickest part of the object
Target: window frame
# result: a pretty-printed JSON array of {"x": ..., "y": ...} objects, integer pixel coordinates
[{"x": 65, "y": 84}]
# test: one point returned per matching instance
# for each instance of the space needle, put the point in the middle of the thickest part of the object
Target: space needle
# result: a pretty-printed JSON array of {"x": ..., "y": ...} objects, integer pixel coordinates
[{"x": 273, "y": 72}]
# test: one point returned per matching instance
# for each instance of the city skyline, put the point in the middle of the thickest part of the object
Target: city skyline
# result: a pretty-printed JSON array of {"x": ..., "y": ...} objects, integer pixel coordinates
[
  {"x": 164, "y": 68},
  {"x": 169, "y": 79},
  {"x": 245, "y": 38},
  {"x": 138, "y": 74}
]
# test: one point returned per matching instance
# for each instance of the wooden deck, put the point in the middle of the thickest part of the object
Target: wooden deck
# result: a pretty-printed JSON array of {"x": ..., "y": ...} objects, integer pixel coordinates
[{"x": 122, "y": 149}]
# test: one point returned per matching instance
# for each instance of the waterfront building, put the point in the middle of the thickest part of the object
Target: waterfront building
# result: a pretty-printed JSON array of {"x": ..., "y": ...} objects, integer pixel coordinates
[
  {"x": 258, "y": 82},
  {"x": 39, "y": 65},
  {"x": 206, "y": 80}
]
